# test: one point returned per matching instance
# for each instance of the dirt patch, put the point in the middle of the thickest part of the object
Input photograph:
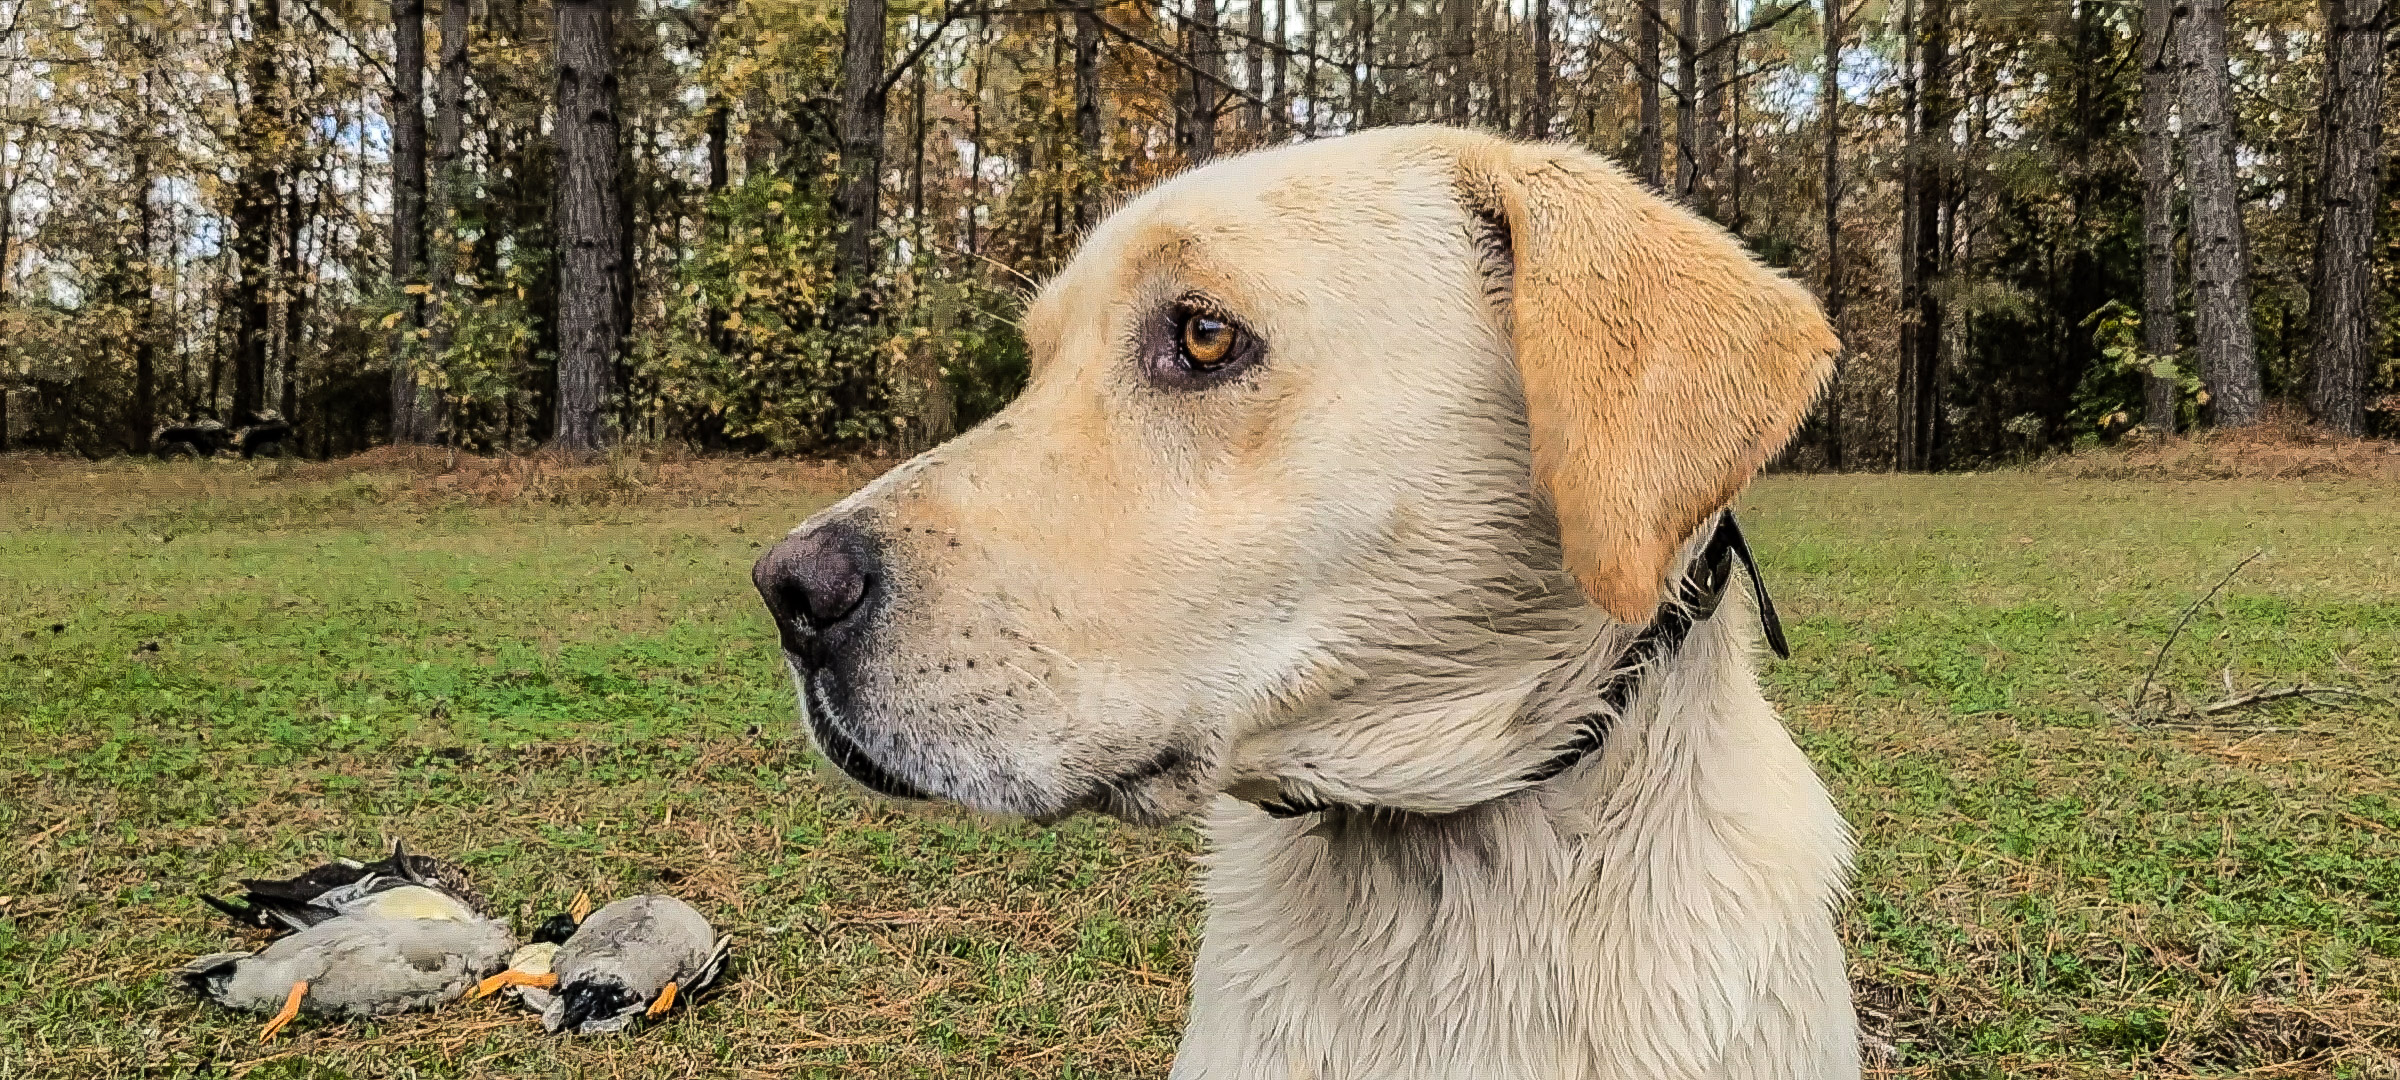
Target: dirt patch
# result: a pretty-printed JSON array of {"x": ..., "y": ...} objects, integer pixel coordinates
[
  {"x": 2283, "y": 447},
  {"x": 80, "y": 489}
]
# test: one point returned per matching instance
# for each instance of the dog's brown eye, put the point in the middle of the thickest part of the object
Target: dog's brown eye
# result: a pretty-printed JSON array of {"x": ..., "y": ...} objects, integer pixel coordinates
[{"x": 1207, "y": 342}]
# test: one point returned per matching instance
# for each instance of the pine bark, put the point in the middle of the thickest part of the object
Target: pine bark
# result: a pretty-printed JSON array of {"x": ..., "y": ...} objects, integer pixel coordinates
[
  {"x": 1206, "y": 55},
  {"x": 1709, "y": 135},
  {"x": 258, "y": 192},
  {"x": 296, "y": 298},
  {"x": 8, "y": 255},
  {"x": 1687, "y": 100},
  {"x": 1543, "y": 111},
  {"x": 1365, "y": 12},
  {"x": 443, "y": 205},
  {"x": 1279, "y": 62},
  {"x": 1308, "y": 75},
  {"x": 1254, "y": 64},
  {"x": 1458, "y": 55},
  {"x": 1650, "y": 139},
  {"x": 861, "y": 171},
  {"x": 2226, "y": 344},
  {"x": 145, "y": 307},
  {"x": 593, "y": 282},
  {"x": 2342, "y": 316},
  {"x": 412, "y": 420},
  {"x": 1830, "y": 90},
  {"x": 1087, "y": 116},
  {"x": 2161, "y": 337},
  {"x": 1923, "y": 317}
]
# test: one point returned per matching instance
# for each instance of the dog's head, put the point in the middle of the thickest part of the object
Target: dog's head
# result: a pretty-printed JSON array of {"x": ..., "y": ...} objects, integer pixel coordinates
[{"x": 1324, "y": 451}]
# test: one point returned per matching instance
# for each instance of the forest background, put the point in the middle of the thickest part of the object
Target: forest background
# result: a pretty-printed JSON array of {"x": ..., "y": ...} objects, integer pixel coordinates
[{"x": 806, "y": 226}]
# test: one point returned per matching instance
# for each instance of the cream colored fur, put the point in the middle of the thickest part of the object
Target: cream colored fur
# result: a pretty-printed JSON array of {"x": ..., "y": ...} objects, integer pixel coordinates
[{"x": 1335, "y": 577}]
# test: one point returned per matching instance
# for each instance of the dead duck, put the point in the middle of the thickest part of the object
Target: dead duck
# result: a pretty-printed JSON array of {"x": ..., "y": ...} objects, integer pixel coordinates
[
  {"x": 353, "y": 965},
  {"x": 633, "y": 958},
  {"x": 400, "y": 885},
  {"x": 524, "y": 977}
]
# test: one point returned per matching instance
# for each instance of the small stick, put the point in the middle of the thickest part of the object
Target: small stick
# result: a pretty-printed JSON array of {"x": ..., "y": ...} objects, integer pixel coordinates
[
  {"x": 2261, "y": 697},
  {"x": 2143, "y": 695}
]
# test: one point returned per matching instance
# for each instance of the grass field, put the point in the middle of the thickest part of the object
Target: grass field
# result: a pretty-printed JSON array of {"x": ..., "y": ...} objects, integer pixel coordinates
[{"x": 563, "y": 678}]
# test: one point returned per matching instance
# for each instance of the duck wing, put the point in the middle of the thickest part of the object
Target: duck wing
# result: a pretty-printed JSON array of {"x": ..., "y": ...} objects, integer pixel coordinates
[
  {"x": 284, "y": 905},
  {"x": 433, "y": 873},
  {"x": 376, "y": 966}
]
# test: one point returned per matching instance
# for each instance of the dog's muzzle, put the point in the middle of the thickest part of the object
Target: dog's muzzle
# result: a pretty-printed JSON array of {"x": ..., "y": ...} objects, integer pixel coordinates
[{"x": 822, "y": 587}]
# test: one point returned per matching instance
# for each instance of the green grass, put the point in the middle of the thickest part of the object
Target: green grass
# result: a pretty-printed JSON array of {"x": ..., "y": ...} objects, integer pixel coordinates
[{"x": 563, "y": 678}]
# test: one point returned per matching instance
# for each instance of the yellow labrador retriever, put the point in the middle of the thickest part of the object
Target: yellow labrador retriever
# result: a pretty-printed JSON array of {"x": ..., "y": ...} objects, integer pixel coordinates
[{"x": 1366, "y": 499}]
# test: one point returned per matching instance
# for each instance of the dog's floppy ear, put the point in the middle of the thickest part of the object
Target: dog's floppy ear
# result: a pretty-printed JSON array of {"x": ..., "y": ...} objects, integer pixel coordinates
[{"x": 1662, "y": 364}]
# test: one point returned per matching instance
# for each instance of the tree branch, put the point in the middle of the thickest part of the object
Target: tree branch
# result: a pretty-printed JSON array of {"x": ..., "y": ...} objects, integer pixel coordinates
[
  {"x": 949, "y": 15},
  {"x": 2142, "y": 695}
]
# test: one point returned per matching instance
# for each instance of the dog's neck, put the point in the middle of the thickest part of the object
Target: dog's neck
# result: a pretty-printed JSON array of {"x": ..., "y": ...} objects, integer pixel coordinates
[{"x": 1661, "y": 909}]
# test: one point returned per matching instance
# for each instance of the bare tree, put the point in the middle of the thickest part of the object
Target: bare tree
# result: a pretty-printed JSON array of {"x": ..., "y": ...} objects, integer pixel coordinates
[
  {"x": 857, "y": 188},
  {"x": 2342, "y": 315},
  {"x": 594, "y": 284},
  {"x": 2160, "y": 336},
  {"x": 2227, "y": 346},
  {"x": 412, "y": 419}
]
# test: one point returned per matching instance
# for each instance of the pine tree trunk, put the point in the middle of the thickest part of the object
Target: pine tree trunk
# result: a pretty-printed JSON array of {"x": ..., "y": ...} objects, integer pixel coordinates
[
  {"x": 1458, "y": 53},
  {"x": 1542, "y": 113},
  {"x": 593, "y": 281},
  {"x": 295, "y": 304},
  {"x": 1308, "y": 78},
  {"x": 8, "y": 255},
  {"x": 257, "y": 193},
  {"x": 412, "y": 420},
  {"x": 2342, "y": 314},
  {"x": 1254, "y": 60},
  {"x": 1687, "y": 100},
  {"x": 1650, "y": 140},
  {"x": 2160, "y": 336},
  {"x": 1087, "y": 116},
  {"x": 443, "y": 205},
  {"x": 1708, "y": 134},
  {"x": 2226, "y": 345},
  {"x": 1830, "y": 89},
  {"x": 1206, "y": 55},
  {"x": 1365, "y": 105},
  {"x": 860, "y": 185},
  {"x": 145, "y": 309},
  {"x": 1920, "y": 353},
  {"x": 1279, "y": 61}
]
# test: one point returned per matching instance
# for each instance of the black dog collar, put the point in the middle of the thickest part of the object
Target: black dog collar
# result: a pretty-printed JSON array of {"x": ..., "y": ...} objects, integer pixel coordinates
[{"x": 1696, "y": 600}]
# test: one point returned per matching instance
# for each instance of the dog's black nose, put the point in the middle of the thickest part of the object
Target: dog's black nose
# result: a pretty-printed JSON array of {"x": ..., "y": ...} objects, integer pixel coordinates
[{"x": 818, "y": 577}]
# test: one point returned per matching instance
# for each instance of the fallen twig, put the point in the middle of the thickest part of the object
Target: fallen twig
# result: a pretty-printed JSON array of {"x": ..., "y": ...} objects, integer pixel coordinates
[
  {"x": 2261, "y": 697},
  {"x": 2142, "y": 695}
]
